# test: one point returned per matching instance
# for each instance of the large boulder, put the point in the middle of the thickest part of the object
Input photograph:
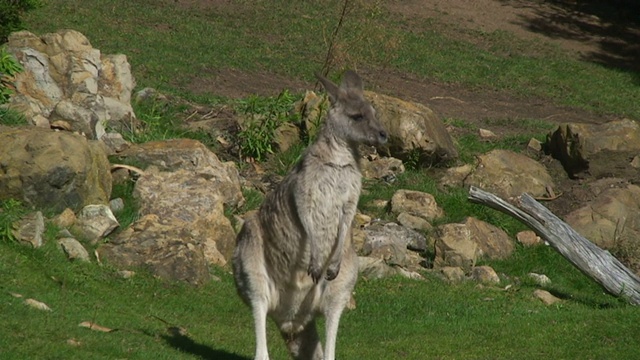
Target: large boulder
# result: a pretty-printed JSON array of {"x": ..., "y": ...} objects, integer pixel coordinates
[
  {"x": 190, "y": 155},
  {"x": 188, "y": 200},
  {"x": 65, "y": 80},
  {"x": 166, "y": 250},
  {"x": 53, "y": 170},
  {"x": 415, "y": 131},
  {"x": 416, "y": 203},
  {"x": 461, "y": 245},
  {"x": 595, "y": 148},
  {"x": 612, "y": 219},
  {"x": 506, "y": 173}
]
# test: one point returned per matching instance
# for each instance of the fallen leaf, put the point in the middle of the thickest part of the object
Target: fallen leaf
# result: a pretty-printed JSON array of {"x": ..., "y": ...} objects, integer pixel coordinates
[
  {"x": 96, "y": 327},
  {"x": 15, "y": 295},
  {"x": 37, "y": 304},
  {"x": 73, "y": 342},
  {"x": 222, "y": 141}
]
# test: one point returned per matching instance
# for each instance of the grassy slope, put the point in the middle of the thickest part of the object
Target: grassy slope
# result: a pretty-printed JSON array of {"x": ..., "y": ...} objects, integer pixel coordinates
[{"x": 167, "y": 45}]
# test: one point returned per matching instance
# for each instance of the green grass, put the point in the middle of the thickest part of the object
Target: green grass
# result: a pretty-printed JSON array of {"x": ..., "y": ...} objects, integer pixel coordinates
[
  {"x": 395, "y": 318},
  {"x": 291, "y": 38},
  {"x": 170, "y": 46}
]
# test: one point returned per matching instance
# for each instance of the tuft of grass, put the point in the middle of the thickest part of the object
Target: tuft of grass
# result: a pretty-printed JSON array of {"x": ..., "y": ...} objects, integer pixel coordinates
[
  {"x": 264, "y": 116},
  {"x": 9, "y": 117},
  {"x": 11, "y": 210}
]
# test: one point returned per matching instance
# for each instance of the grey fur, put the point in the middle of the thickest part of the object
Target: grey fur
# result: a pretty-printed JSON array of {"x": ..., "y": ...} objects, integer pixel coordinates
[{"x": 293, "y": 258}]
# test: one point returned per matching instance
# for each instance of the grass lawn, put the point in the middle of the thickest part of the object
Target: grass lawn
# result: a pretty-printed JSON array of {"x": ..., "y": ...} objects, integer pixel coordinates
[{"x": 169, "y": 44}]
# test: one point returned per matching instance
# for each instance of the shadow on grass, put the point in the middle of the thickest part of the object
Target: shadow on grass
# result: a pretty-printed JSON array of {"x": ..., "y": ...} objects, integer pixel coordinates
[
  {"x": 614, "y": 25},
  {"x": 187, "y": 345}
]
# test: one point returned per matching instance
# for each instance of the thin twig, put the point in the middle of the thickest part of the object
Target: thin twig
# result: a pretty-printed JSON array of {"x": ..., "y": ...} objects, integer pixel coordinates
[{"x": 327, "y": 61}]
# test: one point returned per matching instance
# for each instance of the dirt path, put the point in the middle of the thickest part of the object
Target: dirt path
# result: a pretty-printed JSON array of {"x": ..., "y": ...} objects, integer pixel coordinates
[{"x": 588, "y": 33}]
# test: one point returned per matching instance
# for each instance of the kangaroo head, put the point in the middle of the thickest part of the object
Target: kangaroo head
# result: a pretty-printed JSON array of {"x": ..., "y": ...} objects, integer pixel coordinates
[{"x": 351, "y": 117}]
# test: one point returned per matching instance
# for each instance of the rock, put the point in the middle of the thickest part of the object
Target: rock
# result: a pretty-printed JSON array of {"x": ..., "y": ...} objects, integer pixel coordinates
[
  {"x": 416, "y": 203},
  {"x": 577, "y": 146},
  {"x": 611, "y": 219},
  {"x": 374, "y": 268},
  {"x": 116, "y": 79},
  {"x": 29, "y": 229},
  {"x": 358, "y": 237},
  {"x": 80, "y": 118},
  {"x": 545, "y": 297},
  {"x": 361, "y": 220},
  {"x": 169, "y": 250},
  {"x": 528, "y": 238},
  {"x": 66, "y": 81},
  {"x": 454, "y": 247},
  {"x": 485, "y": 275},
  {"x": 95, "y": 222},
  {"x": 193, "y": 157},
  {"x": 126, "y": 274},
  {"x": 381, "y": 168},
  {"x": 74, "y": 250},
  {"x": 115, "y": 142},
  {"x": 453, "y": 274},
  {"x": 312, "y": 108},
  {"x": 187, "y": 198},
  {"x": 540, "y": 279},
  {"x": 493, "y": 243},
  {"x": 462, "y": 244},
  {"x": 39, "y": 92},
  {"x": 534, "y": 145},
  {"x": 408, "y": 238},
  {"x": 65, "y": 219},
  {"x": 53, "y": 169},
  {"x": 116, "y": 205},
  {"x": 455, "y": 176},
  {"x": 414, "y": 222},
  {"x": 508, "y": 174},
  {"x": 285, "y": 136},
  {"x": 390, "y": 243},
  {"x": 486, "y": 134},
  {"x": 414, "y": 130}
]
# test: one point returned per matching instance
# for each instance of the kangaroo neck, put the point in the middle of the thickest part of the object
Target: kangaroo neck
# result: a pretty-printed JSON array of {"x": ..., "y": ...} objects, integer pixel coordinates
[{"x": 331, "y": 150}]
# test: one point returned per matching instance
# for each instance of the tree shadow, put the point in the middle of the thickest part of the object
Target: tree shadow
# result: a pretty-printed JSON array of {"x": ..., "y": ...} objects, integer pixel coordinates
[
  {"x": 610, "y": 30},
  {"x": 187, "y": 345}
]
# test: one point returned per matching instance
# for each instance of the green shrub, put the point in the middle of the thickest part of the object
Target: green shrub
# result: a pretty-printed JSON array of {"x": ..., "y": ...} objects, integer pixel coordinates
[
  {"x": 9, "y": 66},
  {"x": 10, "y": 15},
  {"x": 265, "y": 115}
]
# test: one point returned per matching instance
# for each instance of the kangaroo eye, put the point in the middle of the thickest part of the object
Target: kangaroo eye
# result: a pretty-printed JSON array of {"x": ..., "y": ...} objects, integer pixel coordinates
[{"x": 357, "y": 117}]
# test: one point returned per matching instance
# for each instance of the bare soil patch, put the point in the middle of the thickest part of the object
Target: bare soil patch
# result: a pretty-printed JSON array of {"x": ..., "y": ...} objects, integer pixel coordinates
[{"x": 580, "y": 28}]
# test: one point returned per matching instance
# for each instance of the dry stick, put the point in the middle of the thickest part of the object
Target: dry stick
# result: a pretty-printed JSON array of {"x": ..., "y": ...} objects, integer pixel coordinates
[
  {"x": 593, "y": 261},
  {"x": 332, "y": 40}
]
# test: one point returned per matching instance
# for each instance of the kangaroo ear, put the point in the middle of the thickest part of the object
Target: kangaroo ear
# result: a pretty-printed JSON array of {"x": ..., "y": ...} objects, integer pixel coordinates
[
  {"x": 332, "y": 89},
  {"x": 352, "y": 81}
]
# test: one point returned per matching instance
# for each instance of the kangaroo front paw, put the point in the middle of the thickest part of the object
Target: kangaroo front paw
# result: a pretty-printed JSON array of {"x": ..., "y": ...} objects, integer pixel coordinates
[
  {"x": 332, "y": 271},
  {"x": 315, "y": 272}
]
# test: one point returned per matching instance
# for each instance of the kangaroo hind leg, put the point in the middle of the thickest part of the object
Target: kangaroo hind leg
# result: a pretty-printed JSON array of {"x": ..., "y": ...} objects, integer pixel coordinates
[{"x": 304, "y": 345}]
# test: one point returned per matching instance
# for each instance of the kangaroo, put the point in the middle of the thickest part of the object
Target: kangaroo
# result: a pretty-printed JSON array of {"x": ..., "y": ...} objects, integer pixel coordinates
[{"x": 293, "y": 258}]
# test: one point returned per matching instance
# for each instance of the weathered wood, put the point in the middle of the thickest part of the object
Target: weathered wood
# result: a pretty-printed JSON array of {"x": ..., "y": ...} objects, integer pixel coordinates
[{"x": 593, "y": 261}]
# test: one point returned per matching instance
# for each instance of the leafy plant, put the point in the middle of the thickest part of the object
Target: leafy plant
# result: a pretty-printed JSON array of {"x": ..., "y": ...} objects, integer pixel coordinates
[
  {"x": 9, "y": 66},
  {"x": 264, "y": 116}
]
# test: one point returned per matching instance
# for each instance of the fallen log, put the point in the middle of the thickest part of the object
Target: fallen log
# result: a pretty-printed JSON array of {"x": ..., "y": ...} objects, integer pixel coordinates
[{"x": 593, "y": 261}]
